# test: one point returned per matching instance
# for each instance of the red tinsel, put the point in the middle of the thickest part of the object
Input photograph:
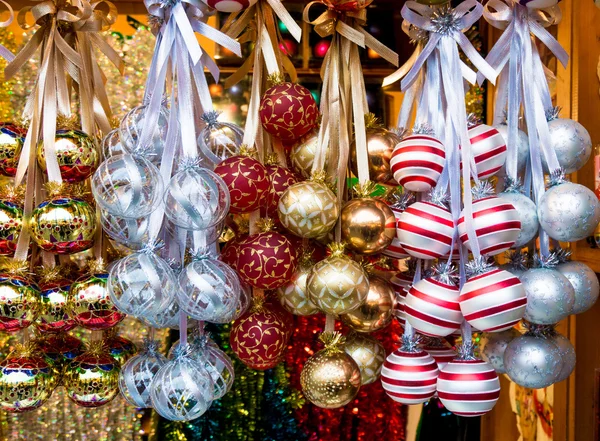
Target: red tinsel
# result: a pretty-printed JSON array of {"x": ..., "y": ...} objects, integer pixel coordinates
[{"x": 372, "y": 416}]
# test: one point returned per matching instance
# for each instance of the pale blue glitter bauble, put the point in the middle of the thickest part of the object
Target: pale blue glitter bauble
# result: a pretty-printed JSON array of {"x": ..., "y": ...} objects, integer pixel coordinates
[
  {"x": 492, "y": 346},
  {"x": 533, "y": 362},
  {"x": 585, "y": 283},
  {"x": 571, "y": 142},
  {"x": 527, "y": 212},
  {"x": 569, "y": 212},
  {"x": 566, "y": 352},
  {"x": 522, "y": 148},
  {"x": 550, "y": 296},
  {"x": 137, "y": 374}
]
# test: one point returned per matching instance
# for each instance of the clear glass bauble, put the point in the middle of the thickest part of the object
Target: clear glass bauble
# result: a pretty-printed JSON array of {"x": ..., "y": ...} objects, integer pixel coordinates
[
  {"x": 130, "y": 132},
  {"x": 142, "y": 284},
  {"x": 137, "y": 374},
  {"x": 129, "y": 232},
  {"x": 127, "y": 186},
  {"x": 209, "y": 290},
  {"x": 112, "y": 145},
  {"x": 167, "y": 318},
  {"x": 194, "y": 239},
  {"x": 221, "y": 139},
  {"x": 242, "y": 305},
  {"x": 196, "y": 199},
  {"x": 219, "y": 366},
  {"x": 183, "y": 389}
]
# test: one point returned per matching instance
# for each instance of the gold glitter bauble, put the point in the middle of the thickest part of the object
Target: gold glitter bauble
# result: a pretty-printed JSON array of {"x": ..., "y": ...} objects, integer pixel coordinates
[
  {"x": 11, "y": 144},
  {"x": 303, "y": 153},
  {"x": 11, "y": 222},
  {"x": 338, "y": 284},
  {"x": 19, "y": 302},
  {"x": 368, "y": 225},
  {"x": 77, "y": 155},
  {"x": 376, "y": 312},
  {"x": 380, "y": 146},
  {"x": 330, "y": 378},
  {"x": 308, "y": 209},
  {"x": 369, "y": 355},
  {"x": 293, "y": 295}
]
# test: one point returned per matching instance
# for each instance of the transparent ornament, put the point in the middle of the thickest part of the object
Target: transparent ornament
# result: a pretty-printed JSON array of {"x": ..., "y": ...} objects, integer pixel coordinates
[
  {"x": 130, "y": 131},
  {"x": 137, "y": 374},
  {"x": 127, "y": 186},
  {"x": 112, "y": 145},
  {"x": 167, "y": 318},
  {"x": 183, "y": 389},
  {"x": 129, "y": 232},
  {"x": 196, "y": 199},
  {"x": 209, "y": 289},
  {"x": 221, "y": 139},
  {"x": 193, "y": 239},
  {"x": 242, "y": 305},
  {"x": 142, "y": 284}
]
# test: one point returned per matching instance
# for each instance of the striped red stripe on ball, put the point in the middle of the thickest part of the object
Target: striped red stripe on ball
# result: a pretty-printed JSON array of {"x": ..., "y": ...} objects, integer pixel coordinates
[
  {"x": 488, "y": 148},
  {"x": 441, "y": 352},
  {"x": 497, "y": 225},
  {"x": 401, "y": 283},
  {"x": 395, "y": 250},
  {"x": 432, "y": 308},
  {"x": 493, "y": 301},
  {"x": 409, "y": 377},
  {"x": 468, "y": 387},
  {"x": 425, "y": 230},
  {"x": 417, "y": 162}
]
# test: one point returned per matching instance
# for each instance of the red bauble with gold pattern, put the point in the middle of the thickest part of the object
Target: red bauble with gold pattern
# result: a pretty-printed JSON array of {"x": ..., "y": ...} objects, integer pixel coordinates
[
  {"x": 247, "y": 181},
  {"x": 259, "y": 338},
  {"x": 288, "y": 111},
  {"x": 281, "y": 179},
  {"x": 266, "y": 260},
  {"x": 229, "y": 253}
]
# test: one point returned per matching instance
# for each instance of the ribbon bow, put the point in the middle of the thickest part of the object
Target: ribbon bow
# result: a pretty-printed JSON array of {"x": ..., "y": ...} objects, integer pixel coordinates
[{"x": 4, "y": 52}]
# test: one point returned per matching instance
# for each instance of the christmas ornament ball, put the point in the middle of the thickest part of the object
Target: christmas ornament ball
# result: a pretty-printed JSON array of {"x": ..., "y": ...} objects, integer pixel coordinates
[
  {"x": 293, "y": 296},
  {"x": 302, "y": 154},
  {"x": 584, "y": 282},
  {"x": 92, "y": 378},
  {"x": 368, "y": 225},
  {"x": 288, "y": 111},
  {"x": 137, "y": 374},
  {"x": 409, "y": 377},
  {"x": 130, "y": 233},
  {"x": 11, "y": 224},
  {"x": 308, "y": 209},
  {"x": 119, "y": 348},
  {"x": 488, "y": 149},
  {"x": 567, "y": 355},
  {"x": 219, "y": 366},
  {"x": 53, "y": 306},
  {"x": 19, "y": 302},
  {"x": 492, "y": 346},
  {"x": 247, "y": 182},
  {"x": 527, "y": 213},
  {"x": 522, "y": 148},
  {"x": 532, "y": 361},
  {"x": 63, "y": 225},
  {"x": 330, "y": 378},
  {"x": 229, "y": 6},
  {"x": 12, "y": 138},
  {"x": 380, "y": 146},
  {"x": 440, "y": 350},
  {"x": 61, "y": 349},
  {"x": 281, "y": 179},
  {"x": 76, "y": 153},
  {"x": 571, "y": 142},
  {"x": 376, "y": 311},
  {"x": 369, "y": 355},
  {"x": 219, "y": 140},
  {"x": 550, "y": 296},
  {"x": 131, "y": 127},
  {"x": 417, "y": 162},
  {"x": 468, "y": 388},
  {"x": 569, "y": 212}
]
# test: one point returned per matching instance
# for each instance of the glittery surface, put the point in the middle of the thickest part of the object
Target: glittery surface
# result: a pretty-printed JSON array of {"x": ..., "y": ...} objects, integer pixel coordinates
[
  {"x": 369, "y": 355},
  {"x": 532, "y": 361},
  {"x": 571, "y": 142},
  {"x": 550, "y": 296},
  {"x": 527, "y": 213},
  {"x": 585, "y": 283},
  {"x": 493, "y": 345}
]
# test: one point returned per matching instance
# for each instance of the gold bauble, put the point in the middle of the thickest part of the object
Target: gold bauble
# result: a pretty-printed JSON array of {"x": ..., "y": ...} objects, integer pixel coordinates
[
  {"x": 293, "y": 295},
  {"x": 308, "y": 209},
  {"x": 19, "y": 302},
  {"x": 11, "y": 145},
  {"x": 376, "y": 312},
  {"x": 368, "y": 353},
  {"x": 63, "y": 225},
  {"x": 338, "y": 284},
  {"x": 330, "y": 378},
  {"x": 11, "y": 223},
  {"x": 368, "y": 225},
  {"x": 76, "y": 152},
  {"x": 380, "y": 146},
  {"x": 303, "y": 154}
]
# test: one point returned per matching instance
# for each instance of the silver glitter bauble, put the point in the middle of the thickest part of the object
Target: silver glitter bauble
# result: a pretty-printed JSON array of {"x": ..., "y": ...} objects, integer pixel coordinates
[
  {"x": 527, "y": 212},
  {"x": 522, "y": 148},
  {"x": 137, "y": 374},
  {"x": 550, "y": 296},
  {"x": 492, "y": 346},
  {"x": 369, "y": 355},
  {"x": 569, "y": 212},
  {"x": 585, "y": 283},
  {"x": 566, "y": 352},
  {"x": 532, "y": 361},
  {"x": 571, "y": 142}
]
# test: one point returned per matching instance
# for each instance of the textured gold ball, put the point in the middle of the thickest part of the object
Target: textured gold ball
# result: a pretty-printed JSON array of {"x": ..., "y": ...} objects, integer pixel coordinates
[
  {"x": 337, "y": 285},
  {"x": 77, "y": 155},
  {"x": 11, "y": 223},
  {"x": 308, "y": 209},
  {"x": 330, "y": 379},
  {"x": 369, "y": 355},
  {"x": 293, "y": 295},
  {"x": 380, "y": 146},
  {"x": 303, "y": 154},
  {"x": 368, "y": 225},
  {"x": 19, "y": 302},
  {"x": 376, "y": 312}
]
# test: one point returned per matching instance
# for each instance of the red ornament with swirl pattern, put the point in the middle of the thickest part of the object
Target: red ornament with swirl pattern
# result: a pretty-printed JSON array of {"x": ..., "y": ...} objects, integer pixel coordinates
[
  {"x": 247, "y": 182},
  {"x": 288, "y": 111},
  {"x": 259, "y": 338},
  {"x": 281, "y": 179},
  {"x": 266, "y": 260}
]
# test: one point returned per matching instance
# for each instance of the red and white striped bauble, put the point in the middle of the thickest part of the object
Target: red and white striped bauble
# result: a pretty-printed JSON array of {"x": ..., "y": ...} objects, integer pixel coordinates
[
  {"x": 425, "y": 230},
  {"x": 488, "y": 149},
  {"x": 497, "y": 225},
  {"x": 442, "y": 353},
  {"x": 417, "y": 162},
  {"x": 395, "y": 250},
  {"x": 493, "y": 301},
  {"x": 468, "y": 387},
  {"x": 401, "y": 283},
  {"x": 409, "y": 377},
  {"x": 432, "y": 308}
]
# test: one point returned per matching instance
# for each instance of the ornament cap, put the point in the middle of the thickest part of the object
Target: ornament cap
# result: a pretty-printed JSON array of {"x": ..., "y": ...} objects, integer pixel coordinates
[
  {"x": 483, "y": 189},
  {"x": 410, "y": 343},
  {"x": 250, "y": 152},
  {"x": 96, "y": 266},
  {"x": 364, "y": 190},
  {"x": 557, "y": 177},
  {"x": 439, "y": 197},
  {"x": 466, "y": 352},
  {"x": 333, "y": 341},
  {"x": 372, "y": 122},
  {"x": 13, "y": 267},
  {"x": 275, "y": 79},
  {"x": 550, "y": 261},
  {"x": 513, "y": 185},
  {"x": 67, "y": 122},
  {"x": 517, "y": 260},
  {"x": 337, "y": 249},
  {"x": 265, "y": 225},
  {"x": 445, "y": 272},
  {"x": 49, "y": 274},
  {"x": 306, "y": 258},
  {"x": 423, "y": 129},
  {"x": 12, "y": 193},
  {"x": 563, "y": 254},
  {"x": 478, "y": 266},
  {"x": 473, "y": 120},
  {"x": 553, "y": 113},
  {"x": 211, "y": 118}
]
